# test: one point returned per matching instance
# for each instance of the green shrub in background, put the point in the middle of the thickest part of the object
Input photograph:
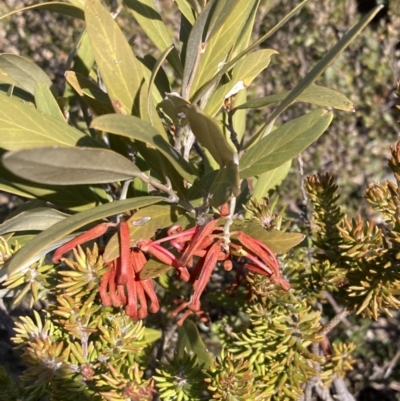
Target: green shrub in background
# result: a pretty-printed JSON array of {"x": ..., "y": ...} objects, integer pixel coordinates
[{"x": 158, "y": 152}]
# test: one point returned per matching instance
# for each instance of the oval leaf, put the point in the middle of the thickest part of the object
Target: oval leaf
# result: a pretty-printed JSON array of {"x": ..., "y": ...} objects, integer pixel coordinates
[
  {"x": 70, "y": 166},
  {"x": 135, "y": 128},
  {"x": 284, "y": 143},
  {"x": 77, "y": 198},
  {"x": 46, "y": 103},
  {"x": 189, "y": 341},
  {"x": 225, "y": 185},
  {"x": 24, "y": 72},
  {"x": 219, "y": 43},
  {"x": 43, "y": 242},
  {"x": 270, "y": 180},
  {"x": 55, "y": 6},
  {"x": 277, "y": 241},
  {"x": 152, "y": 24},
  {"x": 38, "y": 219},
  {"x": 210, "y": 136},
  {"x": 314, "y": 94},
  {"x": 22, "y": 126},
  {"x": 120, "y": 70},
  {"x": 153, "y": 268},
  {"x": 317, "y": 70},
  {"x": 243, "y": 74},
  {"x": 142, "y": 226}
]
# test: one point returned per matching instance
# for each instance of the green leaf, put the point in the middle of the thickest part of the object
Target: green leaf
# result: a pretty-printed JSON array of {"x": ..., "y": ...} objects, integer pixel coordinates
[
  {"x": 284, "y": 143},
  {"x": 70, "y": 166},
  {"x": 22, "y": 126},
  {"x": 81, "y": 58},
  {"x": 55, "y": 6},
  {"x": 152, "y": 24},
  {"x": 174, "y": 108},
  {"x": 37, "y": 219},
  {"x": 77, "y": 3},
  {"x": 186, "y": 10},
  {"x": 75, "y": 198},
  {"x": 193, "y": 48},
  {"x": 228, "y": 66},
  {"x": 154, "y": 72},
  {"x": 154, "y": 268},
  {"x": 46, "y": 103},
  {"x": 318, "y": 69},
  {"x": 210, "y": 136},
  {"x": 277, "y": 241},
  {"x": 142, "y": 226},
  {"x": 151, "y": 335},
  {"x": 135, "y": 128},
  {"x": 243, "y": 74},
  {"x": 25, "y": 73},
  {"x": 42, "y": 243},
  {"x": 225, "y": 185},
  {"x": 220, "y": 42},
  {"x": 120, "y": 70},
  {"x": 314, "y": 94},
  {"x": 270, "y": 180},
  {"x": 96, "y": 99},
  {"x": 189, "y": 340},
  {"x": 22, "y": 239}
]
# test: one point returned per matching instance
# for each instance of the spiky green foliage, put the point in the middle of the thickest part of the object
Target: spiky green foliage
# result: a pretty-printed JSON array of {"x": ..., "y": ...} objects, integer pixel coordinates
[
  {"x": 181, "y": 378},
  {"x": 276, "y": 344}
]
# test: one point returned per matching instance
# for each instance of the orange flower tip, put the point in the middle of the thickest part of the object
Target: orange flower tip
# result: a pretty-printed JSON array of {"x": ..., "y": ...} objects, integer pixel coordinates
[
  {"x": 154, "y": 307},
  {"x": 184, "y": 274},
  {"x": 116, "y": 302},
  {"x": 228, "y": 265},
  {"x": 142, "y": 314},
  {"x": 224, "y": 210},
  {"x": 285, "y": 285},
  {"x": 131, "y": 311},
  {"x": 195, "y": 306},
  {"x": 121, "y": 294},
  {"x": 174, "y": 230},
  {"x": 105, "y": 299}
]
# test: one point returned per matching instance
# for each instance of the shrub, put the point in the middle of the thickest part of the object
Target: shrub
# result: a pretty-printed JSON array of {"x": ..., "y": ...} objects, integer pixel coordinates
[{"x": 149, "y": 159}]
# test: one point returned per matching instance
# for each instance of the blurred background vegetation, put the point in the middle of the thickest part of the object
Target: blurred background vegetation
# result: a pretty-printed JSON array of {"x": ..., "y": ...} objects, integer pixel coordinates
[{"x": 355, "y": 148}]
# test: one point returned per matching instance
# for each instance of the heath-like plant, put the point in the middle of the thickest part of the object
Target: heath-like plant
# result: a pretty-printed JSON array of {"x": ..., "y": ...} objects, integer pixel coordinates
[{"x": 158, "y": 169}]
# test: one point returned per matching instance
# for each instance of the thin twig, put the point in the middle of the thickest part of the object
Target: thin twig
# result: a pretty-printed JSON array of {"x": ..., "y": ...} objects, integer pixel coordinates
[
  {"x": 335, "y": 306},
  {"x": 342, "y": 394},
  {"x": 315, "y": 350},
  {"x": 335, "y": 321},
  {"x": 188, "y": 143},
  {"x": 173, "y": 197},
  {"x": 178, "y": 139},
  {"x": 125, "y": 188},
  {"x": 232, "y": 131},
  {"x": 228, "y": 223}
]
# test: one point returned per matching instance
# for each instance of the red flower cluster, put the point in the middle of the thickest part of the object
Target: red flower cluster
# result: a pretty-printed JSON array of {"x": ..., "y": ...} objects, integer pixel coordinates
[{"x": 122, "y": 285}]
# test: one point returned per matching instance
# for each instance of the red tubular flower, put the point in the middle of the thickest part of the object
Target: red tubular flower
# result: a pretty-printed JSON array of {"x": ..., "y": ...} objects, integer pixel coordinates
[
  {"x": 132, "y": 307},
  {"x": 266, "y": 255},
  {"x": 89, "y": 235},
  {"x": 112, "y": 286},
  {"x": 165, "y": 256},
  {"x": 195, "y": 243},
  {"x": 204, "y": 277},
  {"x": 105, "y": 298},
  {"x": 124, "y": 238}
]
